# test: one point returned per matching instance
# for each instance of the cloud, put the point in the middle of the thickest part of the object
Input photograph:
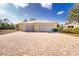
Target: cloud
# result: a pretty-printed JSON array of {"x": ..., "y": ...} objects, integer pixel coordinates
[
  {"x": 20, "y": 5},
  {"x": 6, "y": 13},
  {"x": 46, "y": 5},
  {"x": 16, "y": 4},
  {"x": 13, "y": 1},
  {"x": 2, "y": 11},
  {"x": 60, "y": 12},
  {"x": 2, "y": 5}
]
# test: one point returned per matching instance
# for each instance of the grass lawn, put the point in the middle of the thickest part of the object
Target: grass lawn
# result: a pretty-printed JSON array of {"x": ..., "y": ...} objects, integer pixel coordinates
[{"x": 7, "y": 31}]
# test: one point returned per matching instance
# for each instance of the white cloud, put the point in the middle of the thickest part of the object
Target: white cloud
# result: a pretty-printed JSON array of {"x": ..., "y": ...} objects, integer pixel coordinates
[
  {"x": 2, "y": 11},
  {"x": 13, "y": 1},
  {"x": 60, "y": 12},
  {"x": 20, "y": 5},
  {"x": 2, "y": 5},
  {"x": 5, "y": 14},
  {"x": 46, "y": 5}
]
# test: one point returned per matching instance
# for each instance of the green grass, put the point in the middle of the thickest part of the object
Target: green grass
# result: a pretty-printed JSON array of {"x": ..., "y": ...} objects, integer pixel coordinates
[{"x": 7, "y": 31}]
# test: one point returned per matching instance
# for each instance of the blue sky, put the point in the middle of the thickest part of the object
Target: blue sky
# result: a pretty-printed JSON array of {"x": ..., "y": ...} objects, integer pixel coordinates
[{"x": 17, "y": 12}]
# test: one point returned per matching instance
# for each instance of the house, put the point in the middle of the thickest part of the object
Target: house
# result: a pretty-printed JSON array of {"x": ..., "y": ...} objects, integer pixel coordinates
[
  {"x": 37, "y": 25},
  {"x": 72, "y": 25}
]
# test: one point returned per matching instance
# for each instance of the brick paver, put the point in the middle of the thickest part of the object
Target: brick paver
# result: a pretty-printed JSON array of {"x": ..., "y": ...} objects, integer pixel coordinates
[{"x": 38, "y": 43}]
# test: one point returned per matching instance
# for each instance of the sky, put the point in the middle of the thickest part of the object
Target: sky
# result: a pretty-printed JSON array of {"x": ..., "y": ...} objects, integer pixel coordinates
[{"x": 17, "y": 12}]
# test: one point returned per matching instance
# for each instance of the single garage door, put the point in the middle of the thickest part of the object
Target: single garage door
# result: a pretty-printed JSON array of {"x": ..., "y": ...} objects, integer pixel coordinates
[{"x": 44, "y": 28}]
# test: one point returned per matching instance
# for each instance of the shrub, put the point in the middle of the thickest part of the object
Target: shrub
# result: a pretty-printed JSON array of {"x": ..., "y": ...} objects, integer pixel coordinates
[
  {"x": 76, "y": 30},
  {"x": 7, "y": 26},
  {"x": 71, "y": 30},
  {"x": 55, "y": 30},
  {"x": 0, "y": 25}
]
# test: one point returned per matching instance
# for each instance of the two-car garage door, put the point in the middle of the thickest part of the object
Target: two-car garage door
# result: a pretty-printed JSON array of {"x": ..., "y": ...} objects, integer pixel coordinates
[
  {"x": 45, "y": 28},
  {"x": 28, "y": 28}
]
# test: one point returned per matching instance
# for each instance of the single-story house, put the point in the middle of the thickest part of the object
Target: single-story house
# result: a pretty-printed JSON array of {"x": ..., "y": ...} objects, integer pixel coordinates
[
  {"x": 71, "y": 25},
  {"x": 37, "y": 25}
]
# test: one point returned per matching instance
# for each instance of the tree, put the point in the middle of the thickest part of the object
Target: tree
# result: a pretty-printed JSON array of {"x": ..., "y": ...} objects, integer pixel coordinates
[
  {"x": 12, "y": 26},
  {"x": 25, "y": 20},
  {"x": 32, "y": 19},
  {"x": 5, "y": 24},
  {"x": 76, "y": 6},
  {"x": 0, "y": 20},
  {"x": 6, "y": 20},
  {"x": 74, "y": 14},
  {"x": 1, "y": 26}
]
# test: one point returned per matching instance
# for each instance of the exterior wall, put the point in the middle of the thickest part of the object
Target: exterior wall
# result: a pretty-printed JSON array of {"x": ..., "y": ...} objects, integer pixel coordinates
[
  {"x": 78, "y": 26},
  {"x": 18, "y": 26},
  {"x": 21, "y": 26},
  {"x": 35, "y": 26},
  {"x": 74, "y": 25},
  {"x": 54, "y": 25},
  {"x": 66, "y": 26},
  {"x": 38, "y": 25}
]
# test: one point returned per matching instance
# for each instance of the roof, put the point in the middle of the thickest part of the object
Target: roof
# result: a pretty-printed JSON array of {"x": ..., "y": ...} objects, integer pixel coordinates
[
  {"x": 40, "y": 21},
  {"x": 72, "y": 24}
]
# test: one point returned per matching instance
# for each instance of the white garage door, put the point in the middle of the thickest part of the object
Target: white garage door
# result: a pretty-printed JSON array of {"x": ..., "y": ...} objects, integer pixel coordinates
[
  {"x": 28, "y": 28},
  {"x": 45, "y": 28}
]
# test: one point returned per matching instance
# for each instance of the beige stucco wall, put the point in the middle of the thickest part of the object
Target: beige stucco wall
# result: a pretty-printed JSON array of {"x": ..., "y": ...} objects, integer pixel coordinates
[
  {"x": 27, "y": 25},
  {"x": 36, "y": 26}
]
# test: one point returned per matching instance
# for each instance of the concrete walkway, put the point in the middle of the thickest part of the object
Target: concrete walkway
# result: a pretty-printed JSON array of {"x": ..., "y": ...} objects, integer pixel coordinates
[{"x": 37, "y": 43}]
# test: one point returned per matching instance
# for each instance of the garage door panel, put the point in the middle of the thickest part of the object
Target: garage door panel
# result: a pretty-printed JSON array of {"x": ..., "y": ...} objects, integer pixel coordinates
[
  {"x": 45, "y": 28},
  {"x": 29, "y": 28}
]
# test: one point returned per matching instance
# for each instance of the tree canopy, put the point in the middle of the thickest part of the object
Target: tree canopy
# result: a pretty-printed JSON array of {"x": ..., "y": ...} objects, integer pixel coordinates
[
  {"x": 74, "y": 13},
  {"x": 6, "y": 24}
]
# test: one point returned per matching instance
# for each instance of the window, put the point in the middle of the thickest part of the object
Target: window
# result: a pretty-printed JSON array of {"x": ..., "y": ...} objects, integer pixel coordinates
[
  {"x": 17, "y": 26},
  {"x": 70, "y": 26}
]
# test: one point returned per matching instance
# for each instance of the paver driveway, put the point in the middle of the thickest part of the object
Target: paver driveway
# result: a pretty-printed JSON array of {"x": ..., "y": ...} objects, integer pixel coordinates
[{"x": 37, "y": 43}]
